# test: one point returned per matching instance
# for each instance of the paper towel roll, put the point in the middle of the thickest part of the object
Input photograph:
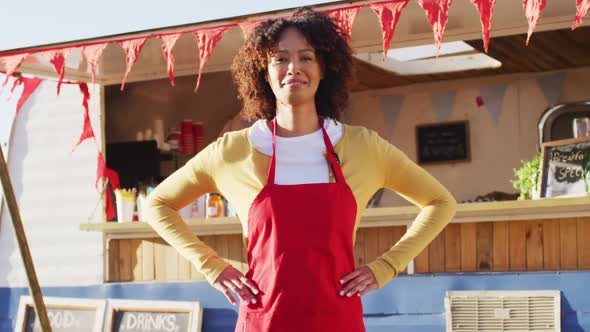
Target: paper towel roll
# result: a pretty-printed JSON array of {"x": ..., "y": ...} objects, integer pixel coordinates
[{"x": 159, "y": 133}]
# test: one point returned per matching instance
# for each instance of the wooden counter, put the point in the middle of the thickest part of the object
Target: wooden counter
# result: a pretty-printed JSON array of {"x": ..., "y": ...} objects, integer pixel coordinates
[
  {"x": 531, "y": 235},
  {"x": 541, "y": 209}
]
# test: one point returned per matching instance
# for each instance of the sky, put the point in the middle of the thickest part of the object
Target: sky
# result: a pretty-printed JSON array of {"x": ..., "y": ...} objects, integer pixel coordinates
[{"x": 39, "y": 22}]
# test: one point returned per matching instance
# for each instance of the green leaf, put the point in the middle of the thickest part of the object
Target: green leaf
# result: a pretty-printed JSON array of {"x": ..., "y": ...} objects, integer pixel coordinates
[{"x": 527, "y": 176}]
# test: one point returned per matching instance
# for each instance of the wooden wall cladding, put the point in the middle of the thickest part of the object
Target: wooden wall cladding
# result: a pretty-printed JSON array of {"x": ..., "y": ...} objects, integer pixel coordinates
[{"x": 534, "y": 245}]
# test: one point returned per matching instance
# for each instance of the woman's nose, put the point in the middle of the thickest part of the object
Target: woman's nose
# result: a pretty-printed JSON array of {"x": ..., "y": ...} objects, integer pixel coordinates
[{"x": 293, "y": 67}]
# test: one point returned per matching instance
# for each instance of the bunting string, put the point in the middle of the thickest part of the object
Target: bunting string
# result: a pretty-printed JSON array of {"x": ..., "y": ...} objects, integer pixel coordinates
[{"x": 388, "y": 13}]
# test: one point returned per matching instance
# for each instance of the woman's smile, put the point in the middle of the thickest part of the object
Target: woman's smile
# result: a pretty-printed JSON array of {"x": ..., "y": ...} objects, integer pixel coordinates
[{"x": 295, "y": 83}]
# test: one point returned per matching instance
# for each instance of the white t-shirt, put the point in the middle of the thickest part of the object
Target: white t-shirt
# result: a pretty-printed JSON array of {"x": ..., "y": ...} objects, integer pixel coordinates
[{"x": 298, "y": 159}]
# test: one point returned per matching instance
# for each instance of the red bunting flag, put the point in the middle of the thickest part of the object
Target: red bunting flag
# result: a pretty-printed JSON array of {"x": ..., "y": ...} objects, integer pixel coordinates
[
  {"x": 167, "y": 46},
  {"x": 58, "y": 58},
  {"x": 486, "y": 10},
  {"x": 207, "y": 39},
  {"x": 388, "y": 13},
  {"x": 102, "y": 172},
  {"x": 248, "y": 27},
  {"x": 132, "y": 49},
  {"x": 18, "y": 81},
  {"x": 437, "y": 12},
  {"x": 583, "y": 6},
  {"x": 479, "y": 101},
  {"x": 87, "y": 131},
  {"x": 533, "y": 9},
  {"x": 11, "y": 63},
  {"x": 344, "y": 19},
  {"x": 30, "y": 86},
  {"x": 92, "y": 55}
]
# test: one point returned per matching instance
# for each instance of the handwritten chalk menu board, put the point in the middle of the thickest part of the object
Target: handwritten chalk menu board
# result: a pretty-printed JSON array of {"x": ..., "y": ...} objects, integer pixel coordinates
[
  {"x": 445, "y": 142},
  {"x": 153, "y": 316},
  {"x": 561, "y": 167},
  {"x": 64, "y": 314}
]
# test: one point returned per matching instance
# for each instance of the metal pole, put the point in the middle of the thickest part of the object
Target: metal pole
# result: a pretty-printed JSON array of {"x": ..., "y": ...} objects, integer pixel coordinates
[{"x": 23, "y": 246}]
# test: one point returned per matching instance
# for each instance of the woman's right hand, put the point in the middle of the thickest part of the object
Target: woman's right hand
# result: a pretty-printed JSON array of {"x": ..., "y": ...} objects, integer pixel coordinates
[{"x": 232, "y": 279}]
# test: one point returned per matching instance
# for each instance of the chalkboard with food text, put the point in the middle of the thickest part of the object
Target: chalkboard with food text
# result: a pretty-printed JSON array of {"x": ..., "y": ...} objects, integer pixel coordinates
[
  {"x": 564, "y": 165},
  {"x": 64, "y": 314},
  {"x": 153, "y": 316},
  {"x": 443, "y": 142}
]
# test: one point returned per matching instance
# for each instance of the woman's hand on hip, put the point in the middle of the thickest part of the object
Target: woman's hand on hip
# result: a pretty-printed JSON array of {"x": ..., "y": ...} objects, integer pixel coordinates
[
  {"x": 360, "y": 282},
  {"x": 232, "y": 279}
]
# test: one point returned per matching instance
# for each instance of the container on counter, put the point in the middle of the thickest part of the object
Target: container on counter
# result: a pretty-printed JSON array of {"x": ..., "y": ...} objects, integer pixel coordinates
[
  {"x": 581, "y": 127},
  {"x": 214, "y": 205},
  {"x": 173, "y": 138},
  {"x": 195, "y": 210},
  {"x": 140, "y": 205},
  {"x": 125, "y": 203}
]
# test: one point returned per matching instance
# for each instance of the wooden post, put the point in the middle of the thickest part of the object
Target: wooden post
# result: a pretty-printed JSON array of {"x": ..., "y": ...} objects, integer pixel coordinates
[{"x": 23, "y": 246}]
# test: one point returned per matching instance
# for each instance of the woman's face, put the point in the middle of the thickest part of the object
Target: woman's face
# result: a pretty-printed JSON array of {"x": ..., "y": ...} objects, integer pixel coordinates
[{"x": 294, "y": 72}]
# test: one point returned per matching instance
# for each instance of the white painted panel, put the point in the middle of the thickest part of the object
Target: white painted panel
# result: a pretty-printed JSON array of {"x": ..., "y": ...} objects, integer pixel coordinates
[{"x": 55, "y": 191}]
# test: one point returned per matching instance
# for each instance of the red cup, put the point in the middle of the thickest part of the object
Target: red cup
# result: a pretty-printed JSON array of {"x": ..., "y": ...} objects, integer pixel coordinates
[
  {"x": 186, "y": 136},
  {"x": 199, "y": 142}
]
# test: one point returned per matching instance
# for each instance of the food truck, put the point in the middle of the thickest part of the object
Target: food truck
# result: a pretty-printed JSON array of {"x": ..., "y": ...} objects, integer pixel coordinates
[{"x": 98, "y": 111}]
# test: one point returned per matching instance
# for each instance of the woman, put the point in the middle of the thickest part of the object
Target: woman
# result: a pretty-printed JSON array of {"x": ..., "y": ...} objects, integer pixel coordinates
[{"x": 299, "y": 181}]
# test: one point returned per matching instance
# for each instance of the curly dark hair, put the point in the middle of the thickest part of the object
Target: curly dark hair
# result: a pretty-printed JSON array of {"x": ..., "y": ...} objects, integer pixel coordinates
[{"x": 334, "y": 55}]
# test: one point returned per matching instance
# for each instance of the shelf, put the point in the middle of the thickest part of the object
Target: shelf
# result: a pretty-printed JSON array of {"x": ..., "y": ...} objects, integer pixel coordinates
[
  {"x": 548, "y": 208},
  {"x": 141, "y": 229}
]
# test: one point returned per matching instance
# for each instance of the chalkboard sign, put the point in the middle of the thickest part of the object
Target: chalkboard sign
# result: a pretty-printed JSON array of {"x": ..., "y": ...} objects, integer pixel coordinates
[
  {"x": 153, "y": 316},
  {"x": 445, "y": 142},
  {"x": 561, "y": 167},
  {"x": 64, "y": 314}
]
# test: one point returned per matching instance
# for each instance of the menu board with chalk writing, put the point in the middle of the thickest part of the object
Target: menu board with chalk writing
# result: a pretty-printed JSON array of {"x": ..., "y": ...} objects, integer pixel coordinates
[
  {"x": 562, "y": 169},
  {"x": 153, "y": 316},
  {"x": 64, "y": 314},
  {"x": 443, "y": 142}
]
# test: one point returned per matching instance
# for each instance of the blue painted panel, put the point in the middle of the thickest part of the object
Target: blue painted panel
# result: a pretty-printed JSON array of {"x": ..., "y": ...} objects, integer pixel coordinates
[
  {"x": 409, "y": 303},
  {"x": 425, "y": 293},
  {"x": 406, "y": 323}
]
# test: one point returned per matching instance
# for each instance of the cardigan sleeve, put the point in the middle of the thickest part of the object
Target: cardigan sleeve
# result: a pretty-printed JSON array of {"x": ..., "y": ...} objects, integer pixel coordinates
[
  {"x": 437, "y": 208},
  {"x": 178, "y": 190}
]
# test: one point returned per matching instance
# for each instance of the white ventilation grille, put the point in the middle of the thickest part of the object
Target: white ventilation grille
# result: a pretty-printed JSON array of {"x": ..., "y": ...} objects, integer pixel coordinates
[{"x": 515, "y": 311}]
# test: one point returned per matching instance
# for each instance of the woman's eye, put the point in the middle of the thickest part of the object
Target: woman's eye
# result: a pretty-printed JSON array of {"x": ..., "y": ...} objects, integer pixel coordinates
[
  {"x": 280, "y": 60},
  {"x": 306, "y": 58}
]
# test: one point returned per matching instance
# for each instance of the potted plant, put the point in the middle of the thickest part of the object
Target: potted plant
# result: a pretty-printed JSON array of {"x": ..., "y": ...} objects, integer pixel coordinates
[{"x": 528, "y": 177}]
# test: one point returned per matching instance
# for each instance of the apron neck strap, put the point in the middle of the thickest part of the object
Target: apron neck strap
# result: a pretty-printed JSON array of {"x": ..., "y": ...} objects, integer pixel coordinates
[{"x": 331, "y": 155}]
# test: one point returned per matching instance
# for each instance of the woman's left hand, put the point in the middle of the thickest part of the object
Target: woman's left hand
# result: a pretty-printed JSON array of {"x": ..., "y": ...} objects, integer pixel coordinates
[{"x": 360, "y": 282}]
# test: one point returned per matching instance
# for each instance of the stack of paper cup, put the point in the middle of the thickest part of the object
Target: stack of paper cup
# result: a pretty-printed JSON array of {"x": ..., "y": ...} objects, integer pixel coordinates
[
  {"x": 140, "y": 205},
  {"x": 159, "y": 132},
  {"x": 186, "y": 132},
  {"x": 198, "y": 136}
]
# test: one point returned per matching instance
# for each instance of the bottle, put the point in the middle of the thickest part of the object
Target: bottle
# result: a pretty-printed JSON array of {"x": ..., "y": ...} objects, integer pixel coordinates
[{"x": 214, "y": 205}]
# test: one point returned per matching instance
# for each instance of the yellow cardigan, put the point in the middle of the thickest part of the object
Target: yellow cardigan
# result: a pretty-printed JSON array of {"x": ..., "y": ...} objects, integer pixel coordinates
[{"x": 234, "y": 168}]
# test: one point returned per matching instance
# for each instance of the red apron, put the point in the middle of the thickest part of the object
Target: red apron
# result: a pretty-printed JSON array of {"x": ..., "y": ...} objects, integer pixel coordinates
[{"x": 300, "y": 245}]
